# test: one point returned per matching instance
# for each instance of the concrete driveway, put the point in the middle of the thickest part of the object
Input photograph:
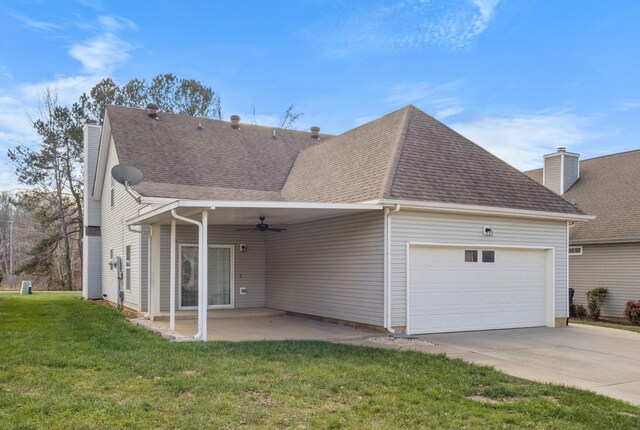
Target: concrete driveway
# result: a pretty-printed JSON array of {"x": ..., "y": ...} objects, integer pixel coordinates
[{"x": 599, "y": 359}]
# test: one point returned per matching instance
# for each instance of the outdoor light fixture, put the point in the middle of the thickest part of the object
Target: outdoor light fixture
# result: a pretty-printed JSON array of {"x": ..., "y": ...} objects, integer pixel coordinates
[
  {"x": 243, "y": 247},
  {"x": 487, "y": 231}
]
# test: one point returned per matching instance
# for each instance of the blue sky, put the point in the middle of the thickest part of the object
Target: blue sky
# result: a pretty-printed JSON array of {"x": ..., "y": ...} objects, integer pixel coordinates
[{"x": 518, "y": 77}]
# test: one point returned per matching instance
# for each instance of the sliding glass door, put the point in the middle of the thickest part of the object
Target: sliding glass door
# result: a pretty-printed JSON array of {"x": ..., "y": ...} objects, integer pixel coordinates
[{"x": 219, "y": 271}]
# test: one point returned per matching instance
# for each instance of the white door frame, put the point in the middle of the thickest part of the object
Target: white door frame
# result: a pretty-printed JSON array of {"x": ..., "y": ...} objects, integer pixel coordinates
[
  {"x": 550, "y": 272},
  {"x": 231, "y": 305}
]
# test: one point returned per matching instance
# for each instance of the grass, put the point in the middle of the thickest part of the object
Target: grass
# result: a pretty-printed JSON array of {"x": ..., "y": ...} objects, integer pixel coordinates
[
  {"x": 605, "y": 324},
  {"x": 70, "y": 364}
]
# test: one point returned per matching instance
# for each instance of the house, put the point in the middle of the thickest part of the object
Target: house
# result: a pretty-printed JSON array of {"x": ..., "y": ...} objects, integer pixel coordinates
[
  {"x": 604, "y": 252},
  {"x": 400, "y": 224}
]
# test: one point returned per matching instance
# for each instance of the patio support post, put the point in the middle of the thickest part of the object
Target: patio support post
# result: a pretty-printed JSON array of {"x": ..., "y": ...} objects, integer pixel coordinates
[
  {"x": 172, "y": 279},
  {"x": 198, "y": 335},
  {"x": 204, "y": 269}
]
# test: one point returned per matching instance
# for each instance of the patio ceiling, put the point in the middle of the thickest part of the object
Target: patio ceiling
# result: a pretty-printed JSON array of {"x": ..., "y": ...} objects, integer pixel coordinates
[{"x": 240, "y": 213}]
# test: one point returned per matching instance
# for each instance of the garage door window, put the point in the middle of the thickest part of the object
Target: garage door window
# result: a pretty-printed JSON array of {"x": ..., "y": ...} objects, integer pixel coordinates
[
  {"x": 470, "y": 256},
  {"x": 488, "y": 256}
]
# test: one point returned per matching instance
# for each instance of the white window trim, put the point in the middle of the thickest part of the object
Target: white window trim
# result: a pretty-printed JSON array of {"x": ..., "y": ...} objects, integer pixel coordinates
[
  {"x": 232, "y": 288},
  {"x": 575, "y": 253},
  {"x": 479, "y": 255}
]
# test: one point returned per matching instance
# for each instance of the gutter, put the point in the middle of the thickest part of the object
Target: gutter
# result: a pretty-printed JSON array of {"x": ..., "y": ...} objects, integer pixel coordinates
[{"x": 483, "y": 210}]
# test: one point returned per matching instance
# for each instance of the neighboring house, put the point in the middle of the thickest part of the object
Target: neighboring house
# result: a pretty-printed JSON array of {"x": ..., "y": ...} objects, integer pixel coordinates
[
  {"x": 399, "y": 224},
  {"x": 604, "y": 252}
]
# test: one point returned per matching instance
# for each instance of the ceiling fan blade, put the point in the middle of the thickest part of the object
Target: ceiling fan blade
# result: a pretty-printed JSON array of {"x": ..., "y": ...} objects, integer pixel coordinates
[
  {"x": 276, "y": 229},
  {"x": 247, "y": 229}
]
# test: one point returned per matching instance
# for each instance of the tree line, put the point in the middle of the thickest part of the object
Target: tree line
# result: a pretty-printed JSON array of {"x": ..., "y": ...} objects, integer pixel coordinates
[{"x": 52, "y": 170}]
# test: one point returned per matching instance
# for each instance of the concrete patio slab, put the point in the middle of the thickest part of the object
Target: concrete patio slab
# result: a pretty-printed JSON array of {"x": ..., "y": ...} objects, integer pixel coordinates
[
  {"x": 278, "y": 326},
  {"x": 599, "y": 359}
]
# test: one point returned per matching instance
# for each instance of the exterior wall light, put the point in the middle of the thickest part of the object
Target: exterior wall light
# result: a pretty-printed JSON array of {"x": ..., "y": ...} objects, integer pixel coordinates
[
  {"x": 487, "y": 231},
  {"x": 243, "y": 247}
]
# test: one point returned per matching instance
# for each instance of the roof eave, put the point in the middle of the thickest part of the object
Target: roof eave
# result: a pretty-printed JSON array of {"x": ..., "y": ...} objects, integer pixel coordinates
[
  {"x": 604, "y": 241},
  {"x": 483, "y": 210}
]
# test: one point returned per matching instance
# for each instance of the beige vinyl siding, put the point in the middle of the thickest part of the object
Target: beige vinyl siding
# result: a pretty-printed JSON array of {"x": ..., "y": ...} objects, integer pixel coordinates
[
  {"x": 116, "y": 236},
  {"x": 552, "y": 172},
  {"x": 331, "y": 268},
  {"x": 613, "y": 266},
  {"x": 144, "y": 268},
  {"x": 409, "y": 226},
  {"x": 571, "y": 171},
  {"x": 249, "y": 266},
  {"x": 91, "y": 245}
]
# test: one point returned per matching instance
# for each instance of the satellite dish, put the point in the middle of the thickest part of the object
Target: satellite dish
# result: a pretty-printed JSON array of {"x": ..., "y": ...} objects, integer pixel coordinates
[{"x": 127, "y": 175}]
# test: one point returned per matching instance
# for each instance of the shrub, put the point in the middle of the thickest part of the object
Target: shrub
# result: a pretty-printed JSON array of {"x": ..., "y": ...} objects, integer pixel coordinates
[
  {"x": 572, "y": 310},
  {"x": 632, "y": 312},
  {"x": 595, "y": 299},
  {"x": 581, "y": 311}
]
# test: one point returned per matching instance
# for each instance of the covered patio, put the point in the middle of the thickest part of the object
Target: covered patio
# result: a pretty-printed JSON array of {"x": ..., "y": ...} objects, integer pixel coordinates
[
  {"x": 214, "y": 275},
  {"x": 253, "y": 324}
]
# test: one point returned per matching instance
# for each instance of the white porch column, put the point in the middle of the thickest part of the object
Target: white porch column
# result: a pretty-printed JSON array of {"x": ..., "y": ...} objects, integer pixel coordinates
[
  {"x": 204, "y": 268},
  {"x": 154, "y": 291},
  {"x": 172, "y": 280}
]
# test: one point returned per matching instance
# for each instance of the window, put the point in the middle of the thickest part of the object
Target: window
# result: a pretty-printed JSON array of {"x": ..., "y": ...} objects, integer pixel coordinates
[
  {"x": 470, "y": 256},
  {"x": 575, "y": 250},
  {"x": 127, "y": 267},
  {"x": 488, "y": 256},
  {"x": 113, "y": 192}
]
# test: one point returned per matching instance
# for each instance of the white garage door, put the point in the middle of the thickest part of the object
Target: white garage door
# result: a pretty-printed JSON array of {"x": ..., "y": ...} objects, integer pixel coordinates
[{"x": 453, "y": 289}]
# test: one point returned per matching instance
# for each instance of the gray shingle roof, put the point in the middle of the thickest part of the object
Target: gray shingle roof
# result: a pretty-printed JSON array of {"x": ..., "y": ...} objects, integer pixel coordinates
[
  {"x": 409, "y": 155},
  {"x": 609, "y": 188},
  {"x": 173, "y": 151},
  {"x": 406, "y": 155}
]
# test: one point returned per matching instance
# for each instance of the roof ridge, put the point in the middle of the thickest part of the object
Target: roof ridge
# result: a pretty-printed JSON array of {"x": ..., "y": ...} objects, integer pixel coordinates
[
  {"x": 395, "y": 161},
  {"x": 610, "y": 155},
  {"x": 184, "y": 115},
  {"x": 356, "y": 128}
]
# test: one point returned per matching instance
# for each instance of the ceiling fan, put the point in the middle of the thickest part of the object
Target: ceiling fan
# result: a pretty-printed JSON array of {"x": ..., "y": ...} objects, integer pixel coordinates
[{"x": 262, "y": 227}]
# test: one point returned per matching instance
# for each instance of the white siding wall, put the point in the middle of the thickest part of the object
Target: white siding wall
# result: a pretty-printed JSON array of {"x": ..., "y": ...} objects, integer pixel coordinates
[
  {"x": 331, "y": 268},
  {"x": 91, "y": 245},
  {"x": 613, "y": 266},
  {"x": 116, "y": 236},
  {"x": 552, "y": 167},
  {"x": 249, "y": 266},
  {"x": 462, "y": 229}
]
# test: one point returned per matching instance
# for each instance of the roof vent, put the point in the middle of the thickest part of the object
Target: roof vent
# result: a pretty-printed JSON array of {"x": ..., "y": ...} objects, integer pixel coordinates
[
  {"x": 562, "y": 149},
  {"x": 152, "y": 110},
  {"x": 235, "y": 121},
  {"x": 200, "y": 126},
  {"x": 315, "y": 132}
]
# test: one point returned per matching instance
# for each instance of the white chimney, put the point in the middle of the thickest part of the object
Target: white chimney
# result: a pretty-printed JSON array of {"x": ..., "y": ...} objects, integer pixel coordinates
[
  {"x": 91, "y": 241},
  {"x": 561, "y": 170}
]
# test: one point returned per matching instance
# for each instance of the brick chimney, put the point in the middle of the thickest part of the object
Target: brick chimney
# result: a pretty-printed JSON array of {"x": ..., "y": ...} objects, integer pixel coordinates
[{"x": 561, "y": 170}]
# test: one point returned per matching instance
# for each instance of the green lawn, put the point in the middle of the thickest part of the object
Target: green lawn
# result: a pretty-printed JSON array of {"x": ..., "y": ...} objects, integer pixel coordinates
[
  {"x": 70, "y": 364},
  {"x": 606, "y": 324}
]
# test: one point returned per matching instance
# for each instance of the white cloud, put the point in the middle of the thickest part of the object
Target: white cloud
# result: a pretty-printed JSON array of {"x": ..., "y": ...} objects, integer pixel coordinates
[
  {"x": 35, "y": 24},
  {"x": 521, "y": 140},
  {"x": 381, "y": 28},
  {"x": 104, "y": 52},
  {"x": 435, "y": 98},
  {"x": 115, "y": 23},
  {"x": 101, "y": 53}
]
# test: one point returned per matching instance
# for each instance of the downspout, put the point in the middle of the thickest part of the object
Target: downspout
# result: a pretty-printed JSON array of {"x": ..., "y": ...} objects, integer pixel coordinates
[
  {"x": 198, "y": 335},
  {"x": 388, "y": 213}
]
